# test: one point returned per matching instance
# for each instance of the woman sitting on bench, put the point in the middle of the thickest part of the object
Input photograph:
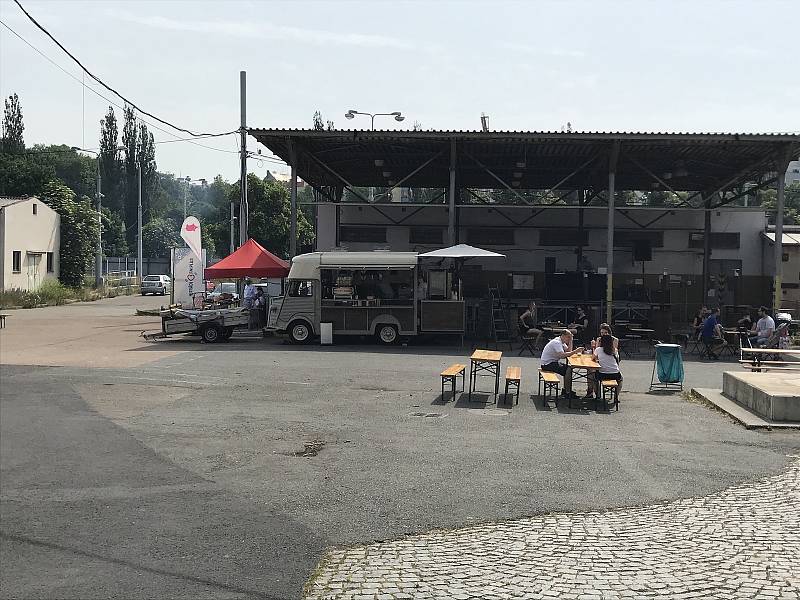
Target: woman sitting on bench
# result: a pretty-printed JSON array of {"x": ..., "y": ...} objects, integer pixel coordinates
[{"x": 609, "y": 366}]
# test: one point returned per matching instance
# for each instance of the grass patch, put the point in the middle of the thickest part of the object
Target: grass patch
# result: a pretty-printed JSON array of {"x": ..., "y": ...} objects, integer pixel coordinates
[{"x": 50, "y": 293}]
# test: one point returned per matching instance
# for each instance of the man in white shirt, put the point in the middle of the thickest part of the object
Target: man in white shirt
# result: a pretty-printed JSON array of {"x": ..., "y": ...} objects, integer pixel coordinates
[
  {"x": 554, "y": 351},
  {"x": 763, "y": 329}
]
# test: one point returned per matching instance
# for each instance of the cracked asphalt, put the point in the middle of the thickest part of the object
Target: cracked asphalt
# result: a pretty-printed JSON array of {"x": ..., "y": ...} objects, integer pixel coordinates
[{"x": 136, "y": 470}]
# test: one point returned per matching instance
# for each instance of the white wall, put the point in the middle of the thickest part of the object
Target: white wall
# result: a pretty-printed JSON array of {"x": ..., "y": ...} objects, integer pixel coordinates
[
  {"x": 526, "y": 254},
  {"x": 39, "y": 234}
]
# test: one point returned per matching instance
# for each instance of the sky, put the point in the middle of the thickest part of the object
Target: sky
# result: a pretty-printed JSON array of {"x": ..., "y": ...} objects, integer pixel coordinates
[{"x": 638, "y": 65}]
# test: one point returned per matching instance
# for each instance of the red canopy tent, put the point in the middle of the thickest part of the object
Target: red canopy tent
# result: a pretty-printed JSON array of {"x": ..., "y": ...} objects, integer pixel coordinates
[{"x": 251, "y": 260}]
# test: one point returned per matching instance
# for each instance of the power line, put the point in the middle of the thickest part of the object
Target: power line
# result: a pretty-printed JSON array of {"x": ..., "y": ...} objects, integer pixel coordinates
[
  {"x": 114, "y": 103},
  {"x": 109, "y": 88}
]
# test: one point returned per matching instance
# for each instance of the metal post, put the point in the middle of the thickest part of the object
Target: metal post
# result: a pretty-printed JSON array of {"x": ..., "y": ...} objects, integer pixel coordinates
[
  {"x": 776, "y": 303},
  {"x": 233, "y": 218},
  {"x": 612, "y": 173},
  {"x": 293, "y": 201},
  {"x": 139, "y": 255},
  {"x": 98, "y": 259},
  {"x": 706, "y": 249},
  {"x": 579, "y": 259},
  {"x": 451, "y": 196},
  {"x": 243, "y": 208}
]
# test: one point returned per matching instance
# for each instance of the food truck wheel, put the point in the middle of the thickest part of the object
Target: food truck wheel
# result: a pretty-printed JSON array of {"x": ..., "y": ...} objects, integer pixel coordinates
[
  {"x": 387, "y": 334},
  {"x": 212, "y": 333},
  {"x": 299, "y": 332}
]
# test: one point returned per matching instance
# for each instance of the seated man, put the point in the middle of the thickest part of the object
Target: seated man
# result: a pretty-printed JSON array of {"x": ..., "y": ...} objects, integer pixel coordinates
[
  {"x": 763, "y": 329},
  {"x": 528, "y": 322},
  {"x": 555, "y": 350},
  {"x": 711, "y": 334}
]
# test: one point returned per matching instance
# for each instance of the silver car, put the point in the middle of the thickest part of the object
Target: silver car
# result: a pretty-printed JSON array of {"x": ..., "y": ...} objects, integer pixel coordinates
[{"x": 156, "y": 284}]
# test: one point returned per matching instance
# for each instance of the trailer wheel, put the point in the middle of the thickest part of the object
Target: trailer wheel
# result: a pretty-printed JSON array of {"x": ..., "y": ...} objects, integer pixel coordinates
[
  {"x": 212, "y": 334},
  {"x": 387, "y": 334},
  {"x": 299, "y": 332}
]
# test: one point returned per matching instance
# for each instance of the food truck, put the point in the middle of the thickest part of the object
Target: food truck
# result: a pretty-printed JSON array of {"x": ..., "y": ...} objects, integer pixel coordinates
[{"x": 382, "y": 294}]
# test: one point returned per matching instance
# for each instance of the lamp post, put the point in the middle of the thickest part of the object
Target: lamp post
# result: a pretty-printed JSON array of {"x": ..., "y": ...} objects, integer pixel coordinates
[
  {"x": 98, "y": 257},
  {"x": 350, "y": 114}
]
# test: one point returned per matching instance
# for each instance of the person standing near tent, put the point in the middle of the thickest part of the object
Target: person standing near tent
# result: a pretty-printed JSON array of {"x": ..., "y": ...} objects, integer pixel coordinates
[{"x": 249, "y": 293}]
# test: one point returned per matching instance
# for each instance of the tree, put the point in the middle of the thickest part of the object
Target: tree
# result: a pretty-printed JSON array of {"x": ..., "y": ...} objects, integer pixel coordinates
[
  {"x": 79, "y": 231},
  {"x": 146, "y": 153},
  {"x": 791, "y": 203},
  {"x": 110, "y": 163},
  {"x": 131, "y": 186},
  {"x": 13, "y": 126},
  {"x": 158, "y": 236},
  {"x": 318, "y": 124},
  {"x": 114, "y": 242},
  {"x": 270, "y": 215}
]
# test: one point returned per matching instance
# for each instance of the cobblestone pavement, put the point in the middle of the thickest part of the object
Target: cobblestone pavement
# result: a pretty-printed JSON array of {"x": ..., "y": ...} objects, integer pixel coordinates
[{"x": 743, "y": 542}]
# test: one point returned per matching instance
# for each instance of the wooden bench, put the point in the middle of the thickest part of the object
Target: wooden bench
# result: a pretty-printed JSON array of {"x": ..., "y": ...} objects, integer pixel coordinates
[
  {"x": 2, "y": 320},
  {"x": 449, "y": 376},
  {"x": 513, "y": 379},
  {"x": 551, "y": 385},
  {"x": 610, "y": 389},
  {"x": 770, "y": 365}
]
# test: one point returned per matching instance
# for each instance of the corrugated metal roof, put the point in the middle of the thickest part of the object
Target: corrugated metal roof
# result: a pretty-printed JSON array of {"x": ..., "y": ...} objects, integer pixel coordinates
[
  {"x": 9, "y": 201},
  {"x": 534, "y": 160}
]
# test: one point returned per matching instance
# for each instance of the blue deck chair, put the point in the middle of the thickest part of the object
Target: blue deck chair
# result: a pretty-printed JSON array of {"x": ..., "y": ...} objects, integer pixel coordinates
[{"x": 668, "y": 366}]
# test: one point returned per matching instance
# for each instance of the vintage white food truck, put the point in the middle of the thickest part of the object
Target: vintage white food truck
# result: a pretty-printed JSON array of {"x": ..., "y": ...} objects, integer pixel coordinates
[{"x": 366, "y": 293}]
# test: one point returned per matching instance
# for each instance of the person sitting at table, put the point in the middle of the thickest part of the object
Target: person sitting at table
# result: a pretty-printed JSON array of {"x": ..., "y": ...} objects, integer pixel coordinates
[
  {"x": 581, "y": 324},
  {"x": 763, "y": 329},
  {"x": 712, "y": 334},
  {"x": 605, "y": 355},
  {"x": 605, "y": 329},
  {"x": 697, "y": 322},
  {"x": 553, "y": 352},
  {"x": 528, "y": 324}
]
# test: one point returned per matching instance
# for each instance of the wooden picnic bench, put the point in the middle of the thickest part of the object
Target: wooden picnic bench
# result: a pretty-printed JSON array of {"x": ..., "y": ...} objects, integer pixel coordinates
[
  {"x": 513, "y": 379},
  {"x": 450, "y": 374},
  {"x": 551, "y": 385},
  {"x": 3, "y": 320},
  {"x": 610, "y": 389}
]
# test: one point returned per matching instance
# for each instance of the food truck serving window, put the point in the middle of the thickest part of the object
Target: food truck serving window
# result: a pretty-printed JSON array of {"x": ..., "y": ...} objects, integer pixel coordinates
[
  {"x": 299, "y": 288},
  {"x": 389, "y": 286}
]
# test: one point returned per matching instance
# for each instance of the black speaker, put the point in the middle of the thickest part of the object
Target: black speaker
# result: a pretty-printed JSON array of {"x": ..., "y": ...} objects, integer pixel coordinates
[{"x": 642, "y": 251}]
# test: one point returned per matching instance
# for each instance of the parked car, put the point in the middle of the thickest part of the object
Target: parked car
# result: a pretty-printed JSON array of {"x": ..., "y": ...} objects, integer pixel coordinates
[
  {"x": 156, "y": 284},
  {"x": 223, "y": 288}
]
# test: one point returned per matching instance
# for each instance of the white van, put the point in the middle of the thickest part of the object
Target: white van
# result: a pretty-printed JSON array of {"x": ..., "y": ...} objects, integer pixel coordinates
[{"x": 360, "y": 293}]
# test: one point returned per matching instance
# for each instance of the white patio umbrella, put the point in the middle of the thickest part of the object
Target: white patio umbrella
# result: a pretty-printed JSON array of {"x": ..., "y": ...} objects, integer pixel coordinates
[{"x": 460, "y": 253}]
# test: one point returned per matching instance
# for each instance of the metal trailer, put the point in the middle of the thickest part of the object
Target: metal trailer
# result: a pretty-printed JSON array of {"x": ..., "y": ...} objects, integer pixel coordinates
[
  {"x": 302, "y": 309},
  {"x": 215, "y": 325}
]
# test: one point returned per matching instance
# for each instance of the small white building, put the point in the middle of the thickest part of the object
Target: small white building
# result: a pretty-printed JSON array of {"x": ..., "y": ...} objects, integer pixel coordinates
[{"x": 29, "y": 242}]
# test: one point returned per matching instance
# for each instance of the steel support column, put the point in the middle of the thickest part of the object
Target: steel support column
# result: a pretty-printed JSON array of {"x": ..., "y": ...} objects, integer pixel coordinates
[
  {"x": 706, "y": 249},
  {"x": 612, "y": 174},
  {"x": 451, "y": 196},
  {"x": 293, "y": 201},
  {"x": 777, "y": 300}
]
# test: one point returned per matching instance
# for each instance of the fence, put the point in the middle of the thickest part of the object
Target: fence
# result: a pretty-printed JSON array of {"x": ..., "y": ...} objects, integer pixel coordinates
[{"x": 125, "y": 264}]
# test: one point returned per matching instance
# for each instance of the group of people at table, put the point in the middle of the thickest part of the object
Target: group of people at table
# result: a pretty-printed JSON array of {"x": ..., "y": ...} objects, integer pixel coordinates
[
  {"x": 709, "y": 330},
  {"x": 603, "y": 350}
]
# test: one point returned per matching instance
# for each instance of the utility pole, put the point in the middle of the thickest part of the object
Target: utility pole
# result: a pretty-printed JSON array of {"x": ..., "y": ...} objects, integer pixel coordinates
[
  {"x": 98, "y": 259},
  {"x": 139, "y": 256},
  {"x": 233, "y": 218},
  {"x": 243, "y": 208}
]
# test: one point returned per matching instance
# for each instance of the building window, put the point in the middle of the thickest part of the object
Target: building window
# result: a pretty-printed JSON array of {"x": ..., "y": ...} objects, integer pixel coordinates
[
  {"x": 34, "y": 208},
  {"x": 16, "y": 262},
  {"x": 719, "y": 241},
  {"x": 374, "y": 235},
  {"x": 563, "y": 237},
  {"x": 626, "y": 239},
  {"x": 490, "y": 236},
  {"x": 300, "y": 288},
  {"x": 50, "y": 265},
  {"x": 426, "y": 235}
]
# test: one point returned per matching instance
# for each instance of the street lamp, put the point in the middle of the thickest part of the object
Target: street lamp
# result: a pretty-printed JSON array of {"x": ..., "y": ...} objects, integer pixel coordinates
[
  {"x": 98, "y": 257},
  {"x": 350, "y": 114}
]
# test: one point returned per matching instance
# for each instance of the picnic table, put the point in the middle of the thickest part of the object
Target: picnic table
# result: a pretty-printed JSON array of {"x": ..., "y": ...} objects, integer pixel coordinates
[
  {"x": 582, "y": 365},
  {"x": 487, "y": 364},
  {"x": 3, "y": 320},
  {"x": 755, "y": 362}
]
